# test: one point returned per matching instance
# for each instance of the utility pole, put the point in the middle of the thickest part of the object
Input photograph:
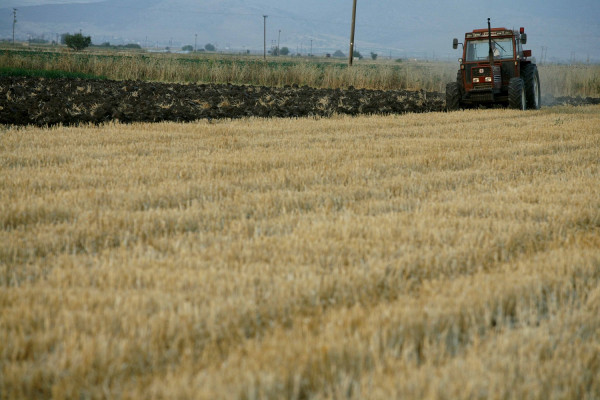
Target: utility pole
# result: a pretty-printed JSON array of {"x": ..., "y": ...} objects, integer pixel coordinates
[
  {"x": 542, "y": 56},
  {"x": 278, "y": 41},
  {"x": 195, "y": 42},
  {"x": 310, "y": 47},
  {"x": 351, "y": 55},
  {"x": 14, "y": 23},
  {"x": 265, "y": 37}
]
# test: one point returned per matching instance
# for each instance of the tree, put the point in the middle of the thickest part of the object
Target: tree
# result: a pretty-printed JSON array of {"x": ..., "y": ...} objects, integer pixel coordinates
[
  {"x": 284, "y": 51},
  {"x": 339, "y": 54},
  {"x": 210, "y": 47},
  {"x": 357, "y": 54},
  {"x": 77, "y": 41},
  {"x": 373, "y": 56},
  {"x": 188, "y": 47}
]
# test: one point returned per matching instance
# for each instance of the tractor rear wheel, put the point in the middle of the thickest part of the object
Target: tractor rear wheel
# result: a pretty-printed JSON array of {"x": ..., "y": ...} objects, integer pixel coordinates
[
  {"x": 452, "y": 96},
  {"x": 459, "y": 80},
  {"x": 516, "y": 94},
  {"x": 531, "y": 78}
]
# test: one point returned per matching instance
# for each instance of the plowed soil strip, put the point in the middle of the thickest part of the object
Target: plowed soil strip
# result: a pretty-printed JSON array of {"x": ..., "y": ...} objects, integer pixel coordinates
[
  {"x": 39, "y": 101},
  {"x": 43, "y": 102}
]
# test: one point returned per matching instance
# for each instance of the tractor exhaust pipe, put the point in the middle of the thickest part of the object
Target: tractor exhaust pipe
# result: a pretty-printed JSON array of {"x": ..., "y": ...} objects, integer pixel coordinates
[{"x": 491, "y": 54}]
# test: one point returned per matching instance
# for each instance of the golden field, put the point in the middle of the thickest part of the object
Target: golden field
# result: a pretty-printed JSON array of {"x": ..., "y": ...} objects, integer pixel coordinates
[{"x": 432, "y": 256}]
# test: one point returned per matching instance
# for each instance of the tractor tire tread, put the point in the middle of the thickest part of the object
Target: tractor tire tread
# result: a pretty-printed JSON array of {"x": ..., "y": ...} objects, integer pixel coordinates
[
  {"x": 453, "y": 96},
  {"x": 529, "y": 74},
  {"x": 515, "y": 97}
]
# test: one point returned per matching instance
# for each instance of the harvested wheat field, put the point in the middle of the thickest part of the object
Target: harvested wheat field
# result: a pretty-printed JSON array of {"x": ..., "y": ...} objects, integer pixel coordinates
[{"x": 420, "y": 256}]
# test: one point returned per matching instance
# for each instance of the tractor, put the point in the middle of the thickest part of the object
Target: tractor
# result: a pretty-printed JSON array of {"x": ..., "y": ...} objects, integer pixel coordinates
[{"x": 494, "y": 69}]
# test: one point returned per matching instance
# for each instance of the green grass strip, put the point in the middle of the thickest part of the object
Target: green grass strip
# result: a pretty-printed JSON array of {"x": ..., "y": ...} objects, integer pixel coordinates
[{"x": 50, "y": 74}]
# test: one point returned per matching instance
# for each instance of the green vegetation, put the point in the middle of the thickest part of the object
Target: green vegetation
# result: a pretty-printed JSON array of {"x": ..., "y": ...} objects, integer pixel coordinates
[
  {"x": 8, "y": 71},
  {"x": 129, "y": 46},
  {"x": 77, "y": 41},
  {"x": 339, "y": 54}
]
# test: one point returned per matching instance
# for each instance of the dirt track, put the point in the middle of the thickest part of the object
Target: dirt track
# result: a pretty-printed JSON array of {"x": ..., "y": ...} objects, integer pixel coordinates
[{"x": 39, "y": 101}]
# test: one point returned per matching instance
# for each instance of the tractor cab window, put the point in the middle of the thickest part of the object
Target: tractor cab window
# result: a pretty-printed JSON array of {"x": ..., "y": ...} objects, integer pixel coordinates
[{"x": 478, "y": 50}]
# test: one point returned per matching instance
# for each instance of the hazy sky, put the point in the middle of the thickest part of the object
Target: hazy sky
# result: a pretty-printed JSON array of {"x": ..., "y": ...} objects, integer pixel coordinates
[{"x": 422, "y": 28}]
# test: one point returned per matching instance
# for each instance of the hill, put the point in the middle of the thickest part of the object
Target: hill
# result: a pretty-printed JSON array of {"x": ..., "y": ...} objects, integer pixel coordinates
[{"x": 422, "y": 29}]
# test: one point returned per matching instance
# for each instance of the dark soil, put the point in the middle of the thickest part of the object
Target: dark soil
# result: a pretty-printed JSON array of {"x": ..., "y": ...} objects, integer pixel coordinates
[
  {"x": 41, "y": 102},
  {"x": 549, "y": 101}
]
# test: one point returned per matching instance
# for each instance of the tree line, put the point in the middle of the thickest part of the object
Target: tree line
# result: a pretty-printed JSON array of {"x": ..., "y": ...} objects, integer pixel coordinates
[{"x": 79, "y": 42}]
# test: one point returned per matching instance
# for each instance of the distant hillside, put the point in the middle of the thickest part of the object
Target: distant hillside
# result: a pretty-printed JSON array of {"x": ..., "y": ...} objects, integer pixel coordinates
[{"x": 423, "y": 28}]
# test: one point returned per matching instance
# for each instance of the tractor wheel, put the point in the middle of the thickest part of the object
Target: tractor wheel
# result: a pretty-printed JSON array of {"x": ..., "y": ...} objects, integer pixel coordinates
[
  {"x": 516, "y": 94},
  {"x": 531, "y": 78},
  {"x": 452, "y": 96},
  {"x": 459, "y": 80}
]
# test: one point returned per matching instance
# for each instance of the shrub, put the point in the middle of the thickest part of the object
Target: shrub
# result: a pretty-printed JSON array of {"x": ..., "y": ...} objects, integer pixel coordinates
[{"x": 77, "y": 41}]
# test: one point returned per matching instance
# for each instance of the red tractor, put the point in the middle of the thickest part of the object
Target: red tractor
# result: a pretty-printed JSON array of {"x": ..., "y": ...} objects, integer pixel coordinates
[{"x": 494, "y": 69}]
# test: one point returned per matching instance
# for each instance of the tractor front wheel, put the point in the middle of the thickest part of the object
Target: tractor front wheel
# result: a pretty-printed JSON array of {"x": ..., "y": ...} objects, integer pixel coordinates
[
  {"x": 452, "y": 96},
  {"x": 531, "y": 78},
  {"x": 516, "y": 94}
]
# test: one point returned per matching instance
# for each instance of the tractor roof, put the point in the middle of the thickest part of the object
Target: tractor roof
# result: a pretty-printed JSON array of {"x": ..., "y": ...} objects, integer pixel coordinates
[
  {"x": 478, "y": 33},
  {"x": 485, "y": 30}
]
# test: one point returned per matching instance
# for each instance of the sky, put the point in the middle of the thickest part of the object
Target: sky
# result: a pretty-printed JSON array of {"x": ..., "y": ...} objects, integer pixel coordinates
[{"x": 565, "y": 30}]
